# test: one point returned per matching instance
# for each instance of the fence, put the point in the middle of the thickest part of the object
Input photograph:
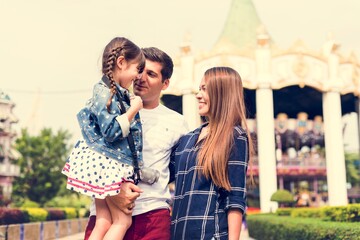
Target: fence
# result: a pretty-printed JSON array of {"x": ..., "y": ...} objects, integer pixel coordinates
[{"x": 43, "y": 230}]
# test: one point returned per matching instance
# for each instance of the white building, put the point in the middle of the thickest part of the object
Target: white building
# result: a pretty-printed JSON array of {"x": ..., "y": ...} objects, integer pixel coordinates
[{"x": 8, "y": 170}]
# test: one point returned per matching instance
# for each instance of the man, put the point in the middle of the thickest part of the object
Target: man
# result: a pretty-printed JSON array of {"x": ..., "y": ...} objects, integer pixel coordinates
[{"x": 162, "y": 128}]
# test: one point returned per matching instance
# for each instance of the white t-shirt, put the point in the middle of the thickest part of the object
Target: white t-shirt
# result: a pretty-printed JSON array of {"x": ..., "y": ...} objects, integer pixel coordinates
[{"x": 161, "y": 127}]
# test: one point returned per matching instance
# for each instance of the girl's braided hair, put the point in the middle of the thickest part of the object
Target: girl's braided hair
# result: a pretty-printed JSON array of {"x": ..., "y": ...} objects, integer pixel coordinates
[{"x": 117, "y": 47}]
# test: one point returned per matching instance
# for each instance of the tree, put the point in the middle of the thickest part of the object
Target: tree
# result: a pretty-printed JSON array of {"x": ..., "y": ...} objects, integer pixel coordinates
[
  {"x": 42, "y": 159},
  {"x": 283, "y": 197},
  {"x": 352, "y": 169}
]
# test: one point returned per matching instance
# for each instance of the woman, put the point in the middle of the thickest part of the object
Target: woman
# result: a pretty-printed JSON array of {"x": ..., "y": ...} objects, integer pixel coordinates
[{"x": 211, "y": 163}]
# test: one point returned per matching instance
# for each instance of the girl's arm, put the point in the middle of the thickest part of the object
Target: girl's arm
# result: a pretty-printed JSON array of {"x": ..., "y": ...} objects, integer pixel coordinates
[
  {"x": 112, "y": 125},
  {"x": 234, "y": 224}
]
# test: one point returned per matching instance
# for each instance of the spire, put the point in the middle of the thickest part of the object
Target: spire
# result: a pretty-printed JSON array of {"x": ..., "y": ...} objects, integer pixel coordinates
[
  {"x": 241, "y": 26},
  {"x": 34, "y": 121}
]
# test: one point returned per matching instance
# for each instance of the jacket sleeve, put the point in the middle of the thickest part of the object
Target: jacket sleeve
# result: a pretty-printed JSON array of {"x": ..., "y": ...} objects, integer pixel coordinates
[
  {"x": 110, "y": 123},
  {"x": 237, "y": 168}
]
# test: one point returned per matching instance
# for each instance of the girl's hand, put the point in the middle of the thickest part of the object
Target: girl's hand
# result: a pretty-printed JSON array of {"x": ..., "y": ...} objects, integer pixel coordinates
[{"x": 136, "y": 103}]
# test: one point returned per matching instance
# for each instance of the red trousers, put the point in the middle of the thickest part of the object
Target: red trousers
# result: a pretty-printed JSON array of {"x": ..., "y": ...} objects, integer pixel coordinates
[{"x": 147, "y": 226}]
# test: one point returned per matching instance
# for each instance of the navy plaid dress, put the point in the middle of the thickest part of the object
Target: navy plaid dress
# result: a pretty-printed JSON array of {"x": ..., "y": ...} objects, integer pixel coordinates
[{"x": 200, "y": 208}]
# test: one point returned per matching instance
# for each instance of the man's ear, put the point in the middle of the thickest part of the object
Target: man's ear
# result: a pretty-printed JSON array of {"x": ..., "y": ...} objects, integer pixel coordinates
[
  {"x": 165, "y": 84},
  {"x": 120, "y": 61}
]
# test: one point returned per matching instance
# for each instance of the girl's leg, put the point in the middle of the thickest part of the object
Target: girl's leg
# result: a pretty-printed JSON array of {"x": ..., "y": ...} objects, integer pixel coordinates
[
  {"x": 103, "y": 220},
  {"x": 120, "y": 221}
]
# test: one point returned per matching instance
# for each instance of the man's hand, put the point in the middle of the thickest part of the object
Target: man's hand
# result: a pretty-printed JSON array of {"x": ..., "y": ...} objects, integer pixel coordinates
[{"x": 129, "y": 192}]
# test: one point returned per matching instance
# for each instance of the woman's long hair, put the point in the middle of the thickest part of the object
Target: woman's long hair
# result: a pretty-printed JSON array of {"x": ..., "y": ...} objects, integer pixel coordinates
[{"x": 227, "y": 109}]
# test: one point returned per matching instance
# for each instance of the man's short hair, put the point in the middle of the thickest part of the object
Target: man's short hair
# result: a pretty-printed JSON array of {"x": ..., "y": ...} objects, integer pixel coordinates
[{"x": 156, "y": 55}]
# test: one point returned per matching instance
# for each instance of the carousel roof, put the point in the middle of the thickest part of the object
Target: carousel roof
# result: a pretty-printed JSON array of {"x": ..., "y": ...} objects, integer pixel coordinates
[
  {"x": 241, "y": 27},
  {"x": 299, "y": 75}
]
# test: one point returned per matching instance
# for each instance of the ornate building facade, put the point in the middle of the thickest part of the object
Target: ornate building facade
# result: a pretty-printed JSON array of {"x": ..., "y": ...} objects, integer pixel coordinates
[
  {"x": 8, "y": 170},
  {"x": 296, "y": 99}
]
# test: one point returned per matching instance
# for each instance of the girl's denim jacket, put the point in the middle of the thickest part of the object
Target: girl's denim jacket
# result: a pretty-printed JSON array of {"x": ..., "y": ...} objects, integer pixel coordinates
[{"x": 101, "y": 130}]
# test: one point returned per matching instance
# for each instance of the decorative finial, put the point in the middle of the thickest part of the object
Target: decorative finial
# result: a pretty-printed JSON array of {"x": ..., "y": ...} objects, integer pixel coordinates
[
  {"x": 330, "y": 46},
  {"x": 262, "y": 36},
  {"x": 185, "y": 47}
]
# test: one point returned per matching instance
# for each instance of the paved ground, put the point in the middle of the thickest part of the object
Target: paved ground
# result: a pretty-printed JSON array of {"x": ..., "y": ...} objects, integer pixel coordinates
[{"x": 78, "y": 236}]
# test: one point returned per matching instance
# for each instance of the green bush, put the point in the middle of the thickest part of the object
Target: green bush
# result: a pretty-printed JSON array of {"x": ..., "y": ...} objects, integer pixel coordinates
[
  {"x": 307, "y": 212},
  {"x": 36, "y": 214},
  {"x": 284, "y": 211},
  {"x": 288, "y": 228},
  {"x": 354, "y": 212},
  {"x": 29, "y": 204},
  {"x": 70, "y": 213},
  {"x": 349, "y": 213},
  {"x": 74, "y": 200},
  {"x": 282, "y": 196},
  {"x": 83, "y": 212}
]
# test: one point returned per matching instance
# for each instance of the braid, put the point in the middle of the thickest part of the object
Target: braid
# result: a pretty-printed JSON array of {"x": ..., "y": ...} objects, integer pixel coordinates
[
  {"x": 109, "y": 66},
  {"x": 119, "y": 46}
]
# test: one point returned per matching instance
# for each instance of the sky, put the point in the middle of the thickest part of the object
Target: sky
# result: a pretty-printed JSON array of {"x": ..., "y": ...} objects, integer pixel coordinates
[{"x": 50, "y": 50}]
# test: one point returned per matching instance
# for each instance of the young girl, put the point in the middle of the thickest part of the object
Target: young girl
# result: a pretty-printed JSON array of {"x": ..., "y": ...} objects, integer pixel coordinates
[
  {"x": 211, "y": 163},
  {"x": 102, "y": 160}
]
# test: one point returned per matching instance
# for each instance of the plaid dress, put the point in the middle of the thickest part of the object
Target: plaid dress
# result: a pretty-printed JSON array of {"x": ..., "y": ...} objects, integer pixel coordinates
[{"x": 200, "y": 208}]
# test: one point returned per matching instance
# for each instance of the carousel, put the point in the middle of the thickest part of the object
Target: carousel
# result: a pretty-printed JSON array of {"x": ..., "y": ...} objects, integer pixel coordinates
[{"x": 296, "y": 98}]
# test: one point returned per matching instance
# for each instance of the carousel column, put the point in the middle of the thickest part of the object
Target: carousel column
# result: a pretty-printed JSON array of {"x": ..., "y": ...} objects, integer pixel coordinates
[
  {"x": 334, "y": 145},
  {"x": 356, "y": 80},
  {"x": 265, "y": 126},
  {"x": 189, "y": 101}
]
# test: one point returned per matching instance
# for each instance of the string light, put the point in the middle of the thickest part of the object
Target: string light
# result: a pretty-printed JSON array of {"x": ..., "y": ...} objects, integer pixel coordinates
[{"x": 47, "y": 92}]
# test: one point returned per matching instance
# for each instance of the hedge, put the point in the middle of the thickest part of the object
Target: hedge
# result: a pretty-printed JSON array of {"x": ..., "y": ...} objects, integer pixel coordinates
[
  {"x": 349, "y": 213},
  {"x": 25, "y": 215},
  {"x": 13, "y": 216},
  {"x": 36, "y": 214},
  {"x": 273, "y": 227},
  {"x": 71, "y": 213}
]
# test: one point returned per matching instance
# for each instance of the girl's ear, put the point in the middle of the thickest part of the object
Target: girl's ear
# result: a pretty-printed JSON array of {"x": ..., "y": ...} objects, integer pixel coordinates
[{"x": 120, "y": 61}]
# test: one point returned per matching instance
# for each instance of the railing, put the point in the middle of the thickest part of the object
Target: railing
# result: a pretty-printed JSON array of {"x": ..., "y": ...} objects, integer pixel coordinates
[
  {"x": 308, "y": 161},
  {"x": 303, "y": 161},
  {"x": 308, "y": 165},
  {"x": 43, "y": 230}
]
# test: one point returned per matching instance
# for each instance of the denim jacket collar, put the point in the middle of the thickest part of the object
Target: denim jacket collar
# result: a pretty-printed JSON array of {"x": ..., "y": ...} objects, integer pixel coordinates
[{"x": 124, "y": 94}]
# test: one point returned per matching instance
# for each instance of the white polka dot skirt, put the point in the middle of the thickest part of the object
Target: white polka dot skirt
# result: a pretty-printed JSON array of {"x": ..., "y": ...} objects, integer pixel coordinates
[{"x": 94, "y": 174}]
